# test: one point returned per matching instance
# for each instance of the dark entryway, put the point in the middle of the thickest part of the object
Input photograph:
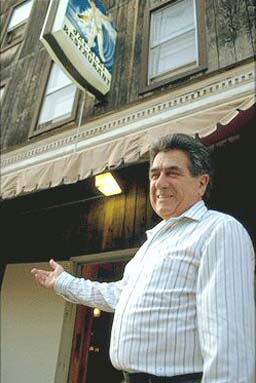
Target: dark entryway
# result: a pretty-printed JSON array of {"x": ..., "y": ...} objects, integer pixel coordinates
[
  {"x": 99, "y": 365},
  {"x": 90, "y": 362}
]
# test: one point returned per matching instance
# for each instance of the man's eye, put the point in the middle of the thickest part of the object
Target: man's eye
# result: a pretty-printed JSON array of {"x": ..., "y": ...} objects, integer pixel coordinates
[
  {"x": 172, "y": 174},
  {"x": 153, "y": 176}
]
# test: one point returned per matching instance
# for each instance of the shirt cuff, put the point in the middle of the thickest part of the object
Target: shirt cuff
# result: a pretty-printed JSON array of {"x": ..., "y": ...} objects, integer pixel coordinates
[{"x": 62, "y": 283}]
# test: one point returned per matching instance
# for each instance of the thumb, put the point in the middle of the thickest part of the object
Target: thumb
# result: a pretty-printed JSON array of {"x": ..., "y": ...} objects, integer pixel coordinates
[{"x": 53, "y": 264}]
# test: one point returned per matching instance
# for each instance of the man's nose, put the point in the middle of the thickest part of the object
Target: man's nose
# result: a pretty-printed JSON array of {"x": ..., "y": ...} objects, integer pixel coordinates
[{"x": 162, "y": 180}]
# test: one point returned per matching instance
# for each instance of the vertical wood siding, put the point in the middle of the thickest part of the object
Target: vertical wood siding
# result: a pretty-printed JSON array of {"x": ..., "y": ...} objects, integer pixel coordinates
[{"x": 93, "y": 226}]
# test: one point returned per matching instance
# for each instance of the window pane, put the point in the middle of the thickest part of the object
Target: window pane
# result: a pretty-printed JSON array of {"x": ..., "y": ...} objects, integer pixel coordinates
[
  {"x": 20, "y": 14},
  {"x": 173, "y": 54},
  {"x": 1, "y": 92},
  {"x": 171, "y": 21},
  {"x": 57, "y": 80},
  {"x": 58, "y": 105},
  {"x": 173, "y": 37}
]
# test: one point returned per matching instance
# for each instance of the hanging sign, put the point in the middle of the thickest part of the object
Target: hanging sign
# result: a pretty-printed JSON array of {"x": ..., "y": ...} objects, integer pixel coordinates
[{"x": 79, "y": 35}]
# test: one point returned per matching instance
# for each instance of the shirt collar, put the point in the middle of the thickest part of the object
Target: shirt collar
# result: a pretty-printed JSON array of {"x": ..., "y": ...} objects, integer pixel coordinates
[{"x": 195, "y": 213}]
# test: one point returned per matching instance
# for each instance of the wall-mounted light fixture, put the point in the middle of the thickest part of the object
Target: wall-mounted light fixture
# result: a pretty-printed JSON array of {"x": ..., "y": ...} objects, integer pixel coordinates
[
  {"x": 96, "y": 312},
  {"x": 107, "y": 184}
]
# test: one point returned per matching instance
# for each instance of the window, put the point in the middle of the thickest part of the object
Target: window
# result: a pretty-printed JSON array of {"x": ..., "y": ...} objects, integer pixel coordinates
[
  {"x": 59, "y": 97},
  {"x": 20, "y": 14},
  {"x": 17, "y": 22},
  {"x": 59, "y": 101},
  {"x": 175, "y": 41},
  {"x": 2, "y": 89}
]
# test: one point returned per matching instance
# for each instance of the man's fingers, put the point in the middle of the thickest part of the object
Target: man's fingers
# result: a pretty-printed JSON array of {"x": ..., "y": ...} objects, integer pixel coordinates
[
  {"x": 41, "y": 272},
  {"x": 43, "y": 279},
  {"x": 40, "y": 278},
  {"x": 53, "y": 264},
  {"x": 47, "y": 278}
]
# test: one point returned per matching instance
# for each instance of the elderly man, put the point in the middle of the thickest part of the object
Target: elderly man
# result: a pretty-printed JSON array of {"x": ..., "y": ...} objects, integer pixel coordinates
[{"x": 184, "y": 309}]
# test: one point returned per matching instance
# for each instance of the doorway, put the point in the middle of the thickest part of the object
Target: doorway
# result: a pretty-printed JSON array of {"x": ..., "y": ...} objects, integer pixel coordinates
[
  {"x": 90, "y": 359},
  {"x": 99, "y": 364}
]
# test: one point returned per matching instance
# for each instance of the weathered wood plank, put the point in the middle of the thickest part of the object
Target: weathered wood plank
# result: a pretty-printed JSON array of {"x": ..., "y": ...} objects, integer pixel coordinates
[
  {"x": 225, "y": 32},
  {"x": 128, "y": 52},
  {"x": 112, "y": 225},
  {"x": 140, "y": 212},
  {"x": 212, "y": 52},
  {"x": 130, "y": 200},
  {"x": 135, "y": 65},
  {"x": 95, "y": 232},
  {"x": 108, "y": 223},
  {"x": 5, "y": 5},
  {"x": 118, "y": 222},
  {"x": 32, "y": 43},
  {"x": 25, "y": 78},
  {"x": 121, "y": 23},
  {"x": 241, "y": 27},
  {"x": 233, "y": 31},
  {"x": 251, "y": 11}
]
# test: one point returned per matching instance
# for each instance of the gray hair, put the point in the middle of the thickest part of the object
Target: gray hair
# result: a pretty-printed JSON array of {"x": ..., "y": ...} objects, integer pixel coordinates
[{"x": 199, "y": 156}]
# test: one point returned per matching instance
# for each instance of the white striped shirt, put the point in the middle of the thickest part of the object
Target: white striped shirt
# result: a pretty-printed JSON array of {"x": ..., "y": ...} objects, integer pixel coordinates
[{"x": 186, "y": 300}]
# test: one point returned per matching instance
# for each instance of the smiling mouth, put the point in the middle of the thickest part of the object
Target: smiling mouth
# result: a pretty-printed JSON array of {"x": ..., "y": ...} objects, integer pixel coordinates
[{"x": 163, "y": 197}]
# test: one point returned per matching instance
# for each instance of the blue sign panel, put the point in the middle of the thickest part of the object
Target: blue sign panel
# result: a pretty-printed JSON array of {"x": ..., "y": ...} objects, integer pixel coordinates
[
  {"x": 80, "y": 36},
  {"x": 91, "y": 21}
]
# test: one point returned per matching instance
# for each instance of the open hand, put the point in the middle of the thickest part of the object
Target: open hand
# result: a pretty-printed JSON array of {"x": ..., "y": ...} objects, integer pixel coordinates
[{"x": 48, "y": 278}]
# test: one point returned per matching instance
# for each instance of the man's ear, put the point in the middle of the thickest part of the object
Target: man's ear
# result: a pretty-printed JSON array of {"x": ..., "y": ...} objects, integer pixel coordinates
[{"x": 203, "y": 182}]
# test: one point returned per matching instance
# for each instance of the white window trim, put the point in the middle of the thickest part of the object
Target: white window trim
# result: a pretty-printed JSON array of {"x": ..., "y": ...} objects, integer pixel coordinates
[
  {"x": 39, "y": 127},
  {"x": 3, "y": 87},
  {"x": 191, "y": 28},
  {"x": 196, "y": 30},
  {"x": 173, "y": 37},
  {"x": 15, "y": 26},
  {"x": 55, "y": 90},
  {"x": 2, "y": 92},
  {"x": 149, "y": 82}
]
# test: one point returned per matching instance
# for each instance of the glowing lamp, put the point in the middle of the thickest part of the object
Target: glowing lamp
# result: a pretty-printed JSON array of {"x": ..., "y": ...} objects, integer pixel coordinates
[
  {"x": 96, "y": 312},
  {"x": 107, "y": 184}
]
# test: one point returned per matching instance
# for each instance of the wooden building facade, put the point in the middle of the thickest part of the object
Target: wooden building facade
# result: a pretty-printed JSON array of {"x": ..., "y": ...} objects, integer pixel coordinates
[{"x": 195, "y": 75}]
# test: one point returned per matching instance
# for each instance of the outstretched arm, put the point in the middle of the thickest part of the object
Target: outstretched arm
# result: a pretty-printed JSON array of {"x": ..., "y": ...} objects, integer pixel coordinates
[
  {"x": 48, "y": 278},
  {"x": 79, "y": 290}
]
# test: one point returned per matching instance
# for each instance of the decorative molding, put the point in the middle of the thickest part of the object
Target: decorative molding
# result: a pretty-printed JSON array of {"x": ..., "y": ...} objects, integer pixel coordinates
[{"x": 205, "y": 94}]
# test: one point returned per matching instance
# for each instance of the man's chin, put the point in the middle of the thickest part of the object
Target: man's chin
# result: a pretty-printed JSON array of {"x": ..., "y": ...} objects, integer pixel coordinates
[{"x": 165, "y": 214}]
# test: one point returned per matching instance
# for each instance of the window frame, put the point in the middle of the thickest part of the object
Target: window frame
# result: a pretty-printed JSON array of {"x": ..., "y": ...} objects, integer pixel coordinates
[
  {"x": 24, "y": 24},
  {"x": 172, "y": 75},
  {"x": 3, "y": 84},
  {"x": 36, "y": 128}
]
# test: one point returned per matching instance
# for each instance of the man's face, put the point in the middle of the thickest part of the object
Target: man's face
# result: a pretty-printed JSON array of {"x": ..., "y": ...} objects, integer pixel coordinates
[{"x": 172, "y": 188}]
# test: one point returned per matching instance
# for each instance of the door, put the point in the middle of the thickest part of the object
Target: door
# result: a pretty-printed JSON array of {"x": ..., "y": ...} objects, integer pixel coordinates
[{"x": 90, "y": 350}]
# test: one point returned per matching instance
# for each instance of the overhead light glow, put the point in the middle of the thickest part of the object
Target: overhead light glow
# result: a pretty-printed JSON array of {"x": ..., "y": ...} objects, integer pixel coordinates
[
  {"x": 96, "y": 312},
  {"x": 107, "y": 184}
]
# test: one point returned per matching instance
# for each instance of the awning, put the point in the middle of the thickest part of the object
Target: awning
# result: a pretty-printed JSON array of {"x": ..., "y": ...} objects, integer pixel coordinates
[{"x": 127, "y": 149}]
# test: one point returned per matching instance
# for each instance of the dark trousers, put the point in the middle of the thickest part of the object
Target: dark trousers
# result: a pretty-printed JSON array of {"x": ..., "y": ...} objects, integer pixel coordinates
[{"x": 147, "y": 378}]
